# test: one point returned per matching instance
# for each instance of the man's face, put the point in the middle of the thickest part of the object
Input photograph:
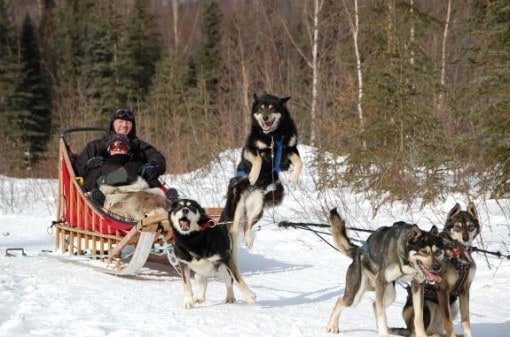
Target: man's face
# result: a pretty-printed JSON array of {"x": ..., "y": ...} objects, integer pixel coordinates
[{"x": 121, "y": 126}]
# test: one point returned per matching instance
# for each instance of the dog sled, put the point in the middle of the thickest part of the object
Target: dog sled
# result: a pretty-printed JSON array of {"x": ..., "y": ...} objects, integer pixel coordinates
[{"x": 88, "y": 234}]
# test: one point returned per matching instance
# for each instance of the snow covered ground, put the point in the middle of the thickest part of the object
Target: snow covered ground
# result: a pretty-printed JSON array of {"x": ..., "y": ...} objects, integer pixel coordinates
[{"x": 296, "y": 275}]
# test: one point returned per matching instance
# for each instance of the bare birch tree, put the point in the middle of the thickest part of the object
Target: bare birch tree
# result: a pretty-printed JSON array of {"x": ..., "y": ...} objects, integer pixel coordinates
[
  {"x": 175, "y": 14},
  {"x": 440, "y": 105},
  {"x": 354, "y": 26},
  {"x": 313, "y": 64}
]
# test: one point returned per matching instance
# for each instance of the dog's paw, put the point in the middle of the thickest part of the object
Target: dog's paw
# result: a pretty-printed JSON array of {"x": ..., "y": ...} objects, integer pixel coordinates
[
  {"x": 293, "y": 179},
  {"x": 230, "y": 300},
  {"x": 187, "y": 303},
  {"x": 333, "y": 328},
  {"x": 248, "y": 241},
  {"x": 251, "y": 298},
  {"x": 199, "y": 300}
]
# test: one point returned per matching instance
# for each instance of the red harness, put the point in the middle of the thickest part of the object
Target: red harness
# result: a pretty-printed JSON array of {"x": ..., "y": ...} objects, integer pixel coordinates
[{"x": 208, "y": 223}]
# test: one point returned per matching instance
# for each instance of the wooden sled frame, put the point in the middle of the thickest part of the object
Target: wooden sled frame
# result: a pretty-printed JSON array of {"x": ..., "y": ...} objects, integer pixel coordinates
[{"x": 82, "y": 227}]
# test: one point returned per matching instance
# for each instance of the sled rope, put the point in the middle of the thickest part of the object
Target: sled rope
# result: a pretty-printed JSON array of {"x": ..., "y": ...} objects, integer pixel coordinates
[{"x": 307, "y": 225}]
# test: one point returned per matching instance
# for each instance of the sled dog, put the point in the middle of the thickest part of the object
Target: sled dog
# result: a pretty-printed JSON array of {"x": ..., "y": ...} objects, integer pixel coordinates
[
  {"x": 442, "y": 300},
  {"x": 135, "y": 201},
  {"x": 271, "y": 147},
  {"x": 400, "y": 252},
  {"x": 204, "y": 247}
]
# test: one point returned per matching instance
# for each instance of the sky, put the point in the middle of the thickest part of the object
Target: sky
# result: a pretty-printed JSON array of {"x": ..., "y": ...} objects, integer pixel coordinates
[{"x": 295, "y": 274}]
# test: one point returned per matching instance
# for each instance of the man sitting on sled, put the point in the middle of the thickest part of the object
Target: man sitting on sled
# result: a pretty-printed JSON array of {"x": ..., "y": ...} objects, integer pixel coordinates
[
  {"x": 117, "y": 186},
  {"x": 152, "y": 162}
]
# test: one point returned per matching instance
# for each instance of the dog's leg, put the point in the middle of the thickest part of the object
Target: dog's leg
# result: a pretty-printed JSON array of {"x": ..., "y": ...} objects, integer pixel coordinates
[
  {"x": 248, "y": 295},
  {"x": 355, "y": 287},
  {"x": 297, "y": 166},
  {"x": 188, "y": 292},
  {"x": 224, "y": 275},
  {"x": 235, "y": 228},
  {"x": 202, "y": 282},
  {"x": 273, "y": 195},
  {"x": 256, "y": 166},
  {"x": 444, "y": 307},
  {"x": 254, "y": 204},
  {"x": 464, "y": 312},
  {"x": 418, "y": 299},
  {"x": 380, "y": 310}
]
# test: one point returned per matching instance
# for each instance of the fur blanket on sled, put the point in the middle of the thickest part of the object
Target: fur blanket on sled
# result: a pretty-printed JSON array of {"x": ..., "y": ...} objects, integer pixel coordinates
[{"x": 135, "y": 201}]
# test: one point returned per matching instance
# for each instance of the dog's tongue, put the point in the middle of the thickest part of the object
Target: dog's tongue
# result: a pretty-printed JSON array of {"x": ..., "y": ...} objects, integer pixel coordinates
[
  {"x": 184, "y": 223},
  {"x": 431, "y": 277},
  {"x": 267, "y": 125}
]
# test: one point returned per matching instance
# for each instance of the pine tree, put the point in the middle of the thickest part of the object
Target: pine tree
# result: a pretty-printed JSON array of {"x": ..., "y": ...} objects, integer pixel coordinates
[
  {"x": 99, "y": 66},
  {"x": 67, "y": 45},
  {"x": 490, "y": 89},
  {"x": 34, "y": 94},
  {"x": 9, "y": 70},
  {"x": 403, "y": 136},
  {"x": 210, "y": 54},
  {"x": 11, "y": 145},
  {"x": 139, "y": 53}
]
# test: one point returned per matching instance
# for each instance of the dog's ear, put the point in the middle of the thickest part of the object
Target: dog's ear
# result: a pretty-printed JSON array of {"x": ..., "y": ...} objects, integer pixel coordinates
[
  {"x": 434, "y": 231},
  {"x": 174, "y": 204},
  {"x": 284, "y": 100},
  {"x": 255, "y": 97},
  {"x": 414, "y": 233},
  {"x": 472, "y": 210},
  {"x": 454, "y": 211}
]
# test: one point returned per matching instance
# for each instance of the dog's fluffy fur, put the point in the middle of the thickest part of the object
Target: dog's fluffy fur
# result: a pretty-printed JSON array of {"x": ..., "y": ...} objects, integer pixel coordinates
[
  {"x": 400, "y": 252},
  {"x": 204, "y": 247},
  {"x": 135, "y": 201},
  {"x": 442, "y": 300},
  {"x": 273, "y": 138}
]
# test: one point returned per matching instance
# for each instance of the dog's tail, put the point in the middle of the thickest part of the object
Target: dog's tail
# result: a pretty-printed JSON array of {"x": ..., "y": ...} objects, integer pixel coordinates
[{"x": 342, "y": 241}]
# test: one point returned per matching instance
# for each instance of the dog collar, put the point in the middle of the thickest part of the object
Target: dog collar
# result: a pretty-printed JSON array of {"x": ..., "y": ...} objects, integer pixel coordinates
[
  {"x": 455, "y": 252},
  {"x": 208, "y": 224}
]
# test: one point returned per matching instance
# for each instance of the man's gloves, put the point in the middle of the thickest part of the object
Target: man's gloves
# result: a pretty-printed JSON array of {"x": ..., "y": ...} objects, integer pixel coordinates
[
  {"x": 150, "y": 171},
  {"x": 94, "y": 162}
]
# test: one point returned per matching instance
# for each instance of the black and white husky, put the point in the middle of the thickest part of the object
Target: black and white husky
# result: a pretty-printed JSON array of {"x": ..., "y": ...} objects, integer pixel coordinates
[
  {"x": 271, "y": 147},
  {"x": 204, "y": 247}
]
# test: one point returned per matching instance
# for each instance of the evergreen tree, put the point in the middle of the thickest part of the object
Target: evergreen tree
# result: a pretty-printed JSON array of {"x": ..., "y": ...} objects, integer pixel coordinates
[
  {"x": 210, "y": 54},
  {"x": 10, "y": 76},
  {"x": 490, "y": 89},
  {"x": 404, "y": 137},
  {"x": 33, "y": 95},
  {"x": 139, "y": 53},
  {"x": 99, "y": 66},
  {"x": 67, "y": 45}
]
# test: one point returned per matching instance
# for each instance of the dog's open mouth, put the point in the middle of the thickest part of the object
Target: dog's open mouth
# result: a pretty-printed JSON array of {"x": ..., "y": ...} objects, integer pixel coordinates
[
  {"x": 184, "y": 223},
  {"x": 267, "y": 125},
  {"x": 428, "y": 275}
]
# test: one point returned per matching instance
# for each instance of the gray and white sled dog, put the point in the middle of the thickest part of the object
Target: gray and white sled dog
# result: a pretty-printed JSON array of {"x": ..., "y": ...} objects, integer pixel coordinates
[{"x": 399, "y": 252}]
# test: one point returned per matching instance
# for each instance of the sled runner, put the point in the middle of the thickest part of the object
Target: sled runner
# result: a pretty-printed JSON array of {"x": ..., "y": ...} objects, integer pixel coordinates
[{"x": 85, "y": 231}]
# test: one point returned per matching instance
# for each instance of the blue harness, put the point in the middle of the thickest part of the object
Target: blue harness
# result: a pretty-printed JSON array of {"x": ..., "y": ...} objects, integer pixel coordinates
[{"x": 276, "y": 162}]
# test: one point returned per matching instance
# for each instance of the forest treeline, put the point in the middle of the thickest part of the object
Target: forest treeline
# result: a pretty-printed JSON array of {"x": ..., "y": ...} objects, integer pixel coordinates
[{"x": 414, "y": 94}]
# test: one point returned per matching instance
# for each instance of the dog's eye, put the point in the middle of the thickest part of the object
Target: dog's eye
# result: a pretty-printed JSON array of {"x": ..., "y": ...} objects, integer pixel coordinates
[
  {"x": 457, "y": 227},
  {"x": 424, "y": 252}
]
